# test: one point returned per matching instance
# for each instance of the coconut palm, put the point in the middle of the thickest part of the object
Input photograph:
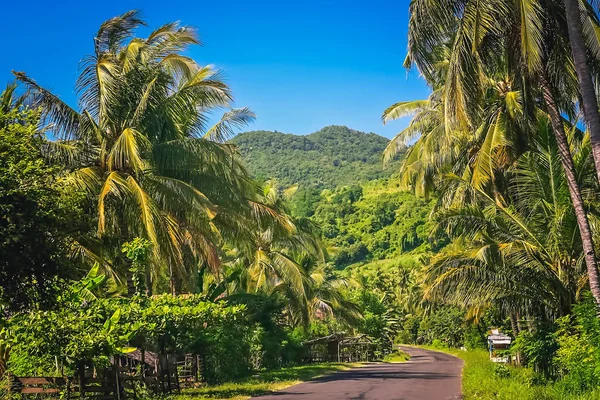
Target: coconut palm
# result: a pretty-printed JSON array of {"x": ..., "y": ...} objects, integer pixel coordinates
[
  {"x": 531, "y": 41},
  {"x": 325, "y": 295},
  {"x": 273, "y": 242},
  {"x": 141, "y": 147},
  {"x": 582, "y": 22},
  {"x": 526, "y": 257},
  {"x": 481, "y": 154}
]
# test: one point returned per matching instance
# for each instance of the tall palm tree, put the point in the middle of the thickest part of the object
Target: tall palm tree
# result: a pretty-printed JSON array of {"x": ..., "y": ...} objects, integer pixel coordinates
[
  {"x": 272, "y": 244},
  {"x": 325, "y": 295},
  {"x": 578, "y": 21},
  {"x": 526, "y": 257},
  {"x": 282, "y": 256},
  {"x": 498, "y": 137},
  {"x": 484, "y": 35},
  {"x": 140, "y": 146}
]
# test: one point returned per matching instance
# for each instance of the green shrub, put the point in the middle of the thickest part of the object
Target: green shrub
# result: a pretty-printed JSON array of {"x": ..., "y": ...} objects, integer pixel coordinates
[
  {"x": 577, "y": 358},
  {"x": 501, "y": 370},
  {"x": 538, "y": 349}
]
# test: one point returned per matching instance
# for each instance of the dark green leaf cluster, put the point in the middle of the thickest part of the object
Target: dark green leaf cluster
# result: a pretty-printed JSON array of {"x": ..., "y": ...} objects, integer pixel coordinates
[{"x": 37, "y": 214}]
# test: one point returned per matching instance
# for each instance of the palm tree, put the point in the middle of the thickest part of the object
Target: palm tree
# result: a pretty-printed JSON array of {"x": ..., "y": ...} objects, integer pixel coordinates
[
  {"x": 139, "y": 145},
  {"x": 526, "y": 257},
  {"x": 325, "y": 295},
  {"x": 578, "y": 22},
  {"x": 482, "y": 153},
  {"x": 273, "y": 243},
  {"x": 485, "y": 35}
]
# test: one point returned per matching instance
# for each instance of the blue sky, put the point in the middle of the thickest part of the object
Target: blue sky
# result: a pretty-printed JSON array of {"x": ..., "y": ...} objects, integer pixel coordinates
[{"x": 299, "y": 65}]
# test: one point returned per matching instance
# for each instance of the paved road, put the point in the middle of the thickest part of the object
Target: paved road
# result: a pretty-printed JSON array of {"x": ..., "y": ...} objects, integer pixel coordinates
[{"x": 429, "y": 375}]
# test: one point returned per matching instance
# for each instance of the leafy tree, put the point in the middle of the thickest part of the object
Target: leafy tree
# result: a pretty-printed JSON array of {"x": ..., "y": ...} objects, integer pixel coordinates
[
  {"x": 36, "y": 213},
  {"x": 475, "y": 41},
  {"x": 526, "y": 257},
  {"x": 372, "y": 222}
]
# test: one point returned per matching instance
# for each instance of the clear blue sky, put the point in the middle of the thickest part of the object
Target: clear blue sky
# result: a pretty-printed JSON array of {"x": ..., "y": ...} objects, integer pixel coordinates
[{"x": 300, "y": 65}]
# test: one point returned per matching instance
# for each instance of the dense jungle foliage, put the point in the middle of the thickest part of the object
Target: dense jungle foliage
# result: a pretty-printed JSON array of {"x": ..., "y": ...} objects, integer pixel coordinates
[{"x": 139, "y": 226}]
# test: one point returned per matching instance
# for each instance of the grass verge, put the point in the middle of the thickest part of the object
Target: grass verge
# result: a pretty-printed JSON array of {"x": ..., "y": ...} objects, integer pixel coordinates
[
  {"x": 396, "y": 357},
  {"x": 485, "y": 380},
  {"x": 263, "y": 383}
]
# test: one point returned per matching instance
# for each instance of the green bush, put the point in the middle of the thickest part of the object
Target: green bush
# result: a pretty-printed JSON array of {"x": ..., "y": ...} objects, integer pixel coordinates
[
  {"x": 577, "y": 359},
  {"x": 538, "y": 349},
  {"x": 501, "y": 370}
]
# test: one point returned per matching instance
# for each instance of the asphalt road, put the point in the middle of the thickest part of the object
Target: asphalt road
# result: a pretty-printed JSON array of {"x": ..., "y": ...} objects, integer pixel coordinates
[{"x": 429, "y": 375}]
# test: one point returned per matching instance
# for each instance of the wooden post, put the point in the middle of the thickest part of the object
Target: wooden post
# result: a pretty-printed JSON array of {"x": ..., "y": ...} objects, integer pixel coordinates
[
  {"x": 9, "y": 382},
  {"x": 81, "y": 371},
  {"x": 68, "y": 384},
  {"x": 116, "y": 372},
  {"x": 143, "y": 366}
]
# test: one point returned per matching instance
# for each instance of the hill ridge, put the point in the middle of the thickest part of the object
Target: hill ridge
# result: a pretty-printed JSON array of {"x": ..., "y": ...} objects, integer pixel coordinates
[{"x": 333, "y": 156}]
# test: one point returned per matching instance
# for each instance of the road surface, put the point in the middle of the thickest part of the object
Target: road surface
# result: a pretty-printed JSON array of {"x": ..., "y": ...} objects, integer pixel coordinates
[{"x": 429, "y": 375}]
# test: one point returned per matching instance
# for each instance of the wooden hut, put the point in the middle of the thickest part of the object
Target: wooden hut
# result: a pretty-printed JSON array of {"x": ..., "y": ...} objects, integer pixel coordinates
[
  {"x": 324, "y": 349},
  {"x": 338, "y": 347}
]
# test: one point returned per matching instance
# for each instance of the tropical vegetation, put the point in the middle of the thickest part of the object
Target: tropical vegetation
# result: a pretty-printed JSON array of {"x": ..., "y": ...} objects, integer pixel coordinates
[{"x": 131, "y": 222}]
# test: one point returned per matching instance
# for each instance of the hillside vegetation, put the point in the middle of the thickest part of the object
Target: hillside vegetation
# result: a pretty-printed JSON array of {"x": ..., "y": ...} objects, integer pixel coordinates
[
  {"x": 332, "y": 157},
  {"x": 372, "y": 221}
]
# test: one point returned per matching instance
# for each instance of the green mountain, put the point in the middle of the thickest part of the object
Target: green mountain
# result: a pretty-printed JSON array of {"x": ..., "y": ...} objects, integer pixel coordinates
[{"x": 332, "y": 157}]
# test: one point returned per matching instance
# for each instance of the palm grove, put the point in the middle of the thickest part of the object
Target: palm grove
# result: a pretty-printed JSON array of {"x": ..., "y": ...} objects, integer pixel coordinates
[
  {"x": 501, "y": 144},
  {"x": 138, "y": 198}
]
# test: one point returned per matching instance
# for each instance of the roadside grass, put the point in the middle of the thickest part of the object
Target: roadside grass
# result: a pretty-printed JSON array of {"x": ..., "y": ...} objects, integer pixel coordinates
[
  {"x": 263, "y": 382},
  {"x": 484, "y": 380},
  {"x": 397, "y": 356}
]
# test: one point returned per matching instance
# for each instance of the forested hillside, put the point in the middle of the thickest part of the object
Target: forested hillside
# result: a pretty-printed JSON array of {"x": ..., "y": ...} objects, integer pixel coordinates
[
  {"x": 372, "y": 221},
  {"x": 332, "y": 157}
]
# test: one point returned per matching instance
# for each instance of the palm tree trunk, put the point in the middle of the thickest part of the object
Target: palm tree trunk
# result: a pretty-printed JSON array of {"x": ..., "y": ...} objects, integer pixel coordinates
[
  {"x": 126, "y": 262},
  {"x": 172, "y": 280},
  {"x": 584, "y": 76},
  {"x": 574, "y": 189},
  {"x": 515, "y": 328},
  {"x": 513, "y": 325},
  {"x": 148, "y": 277}
]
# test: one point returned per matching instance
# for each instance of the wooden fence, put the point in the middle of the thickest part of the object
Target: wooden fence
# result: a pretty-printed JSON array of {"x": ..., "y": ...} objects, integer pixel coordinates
[{"x": 121, "y": 381}]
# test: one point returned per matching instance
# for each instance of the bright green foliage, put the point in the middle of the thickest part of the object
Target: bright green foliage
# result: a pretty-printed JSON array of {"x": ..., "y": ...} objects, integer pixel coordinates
[
  {"x": 538, "y": 348},
  {"x": 577, "y": 360},
  {"x": 334, "y": 156},
  {"x": 140, "y": 147},
  {"x": 87, "y": 334},
  {"x": 372, "y": 222},
  {"x": 378, "y": 322},
  {"x": 484, "y": 380},
  {"x": 234, "y": 337},
  {"x": 138, "y": 252},
  {"x": 445, "y": 325},
  {"x": 535, "y": 227}
]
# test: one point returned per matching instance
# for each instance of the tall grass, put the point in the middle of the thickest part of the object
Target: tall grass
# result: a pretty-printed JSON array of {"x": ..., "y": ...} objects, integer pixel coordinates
[{"x": 483, "y": 380}]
